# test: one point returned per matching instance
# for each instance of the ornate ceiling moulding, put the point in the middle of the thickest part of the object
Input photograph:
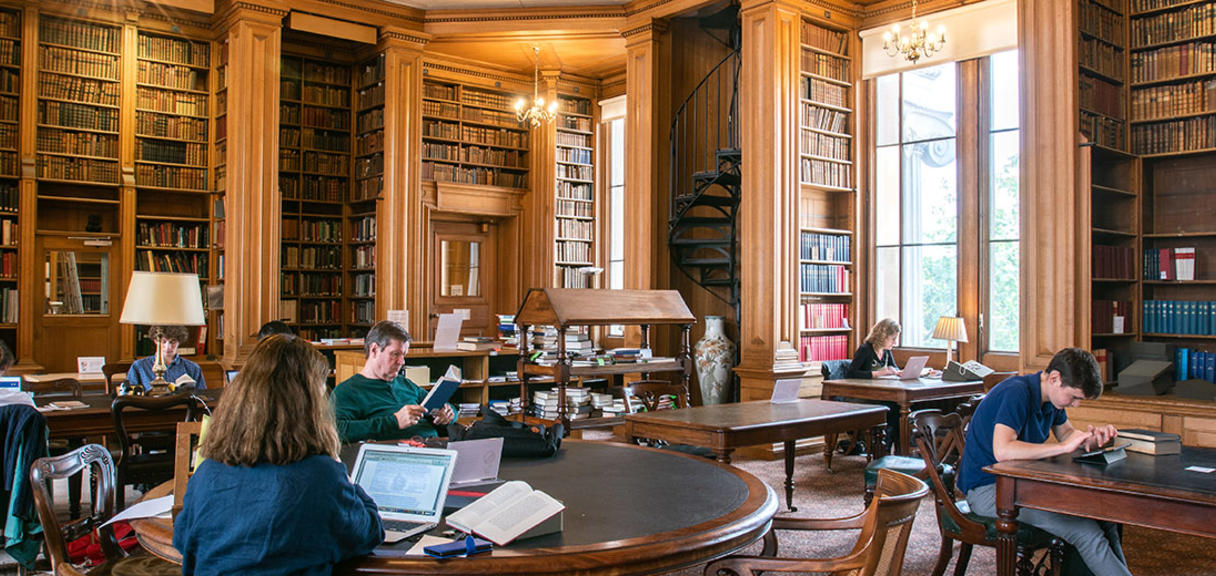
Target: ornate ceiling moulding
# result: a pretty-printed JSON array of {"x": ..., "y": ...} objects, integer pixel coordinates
[
  {"x": 892, "y": 11},
  {"x": 379, "y": 9},
  {"x": 406, "y": 36},
  {"x": 833, "y": 11},
  {"x": 446, "y": 66}
]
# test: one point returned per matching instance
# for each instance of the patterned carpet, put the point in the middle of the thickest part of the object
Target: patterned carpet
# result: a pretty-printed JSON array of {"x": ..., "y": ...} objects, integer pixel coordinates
[{"x": 820, "y": 494}]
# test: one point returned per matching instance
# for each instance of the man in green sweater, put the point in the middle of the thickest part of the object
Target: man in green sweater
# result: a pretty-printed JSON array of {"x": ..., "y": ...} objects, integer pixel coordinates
[{"x": 379, "y": 403}]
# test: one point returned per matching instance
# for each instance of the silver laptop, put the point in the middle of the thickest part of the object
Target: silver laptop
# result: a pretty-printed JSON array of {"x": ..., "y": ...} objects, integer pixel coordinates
[
  {"x": 478, "y": 463},
  {"x": 912, "y": 370},
  {"x": 408, "y": 484}
]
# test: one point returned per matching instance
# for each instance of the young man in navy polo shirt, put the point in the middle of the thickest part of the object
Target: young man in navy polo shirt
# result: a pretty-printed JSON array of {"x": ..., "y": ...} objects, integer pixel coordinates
[{"x": 1013, "y": 423}]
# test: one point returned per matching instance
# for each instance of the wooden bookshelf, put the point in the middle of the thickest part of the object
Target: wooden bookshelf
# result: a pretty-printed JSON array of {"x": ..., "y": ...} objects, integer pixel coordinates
[
  {"x": 1114, "y": 181},
  {"x": 1102, "y": 64},
  {"x": 470, "y": 136},
  {"x": 219, "y": 212},
  {"x": 314, "y": 176},
  {"x": 826, "y": 205},
  {"x": 10, "y": 200},
  {"x": 574, "y": 205},
  {"x": 369, "y": 185}
]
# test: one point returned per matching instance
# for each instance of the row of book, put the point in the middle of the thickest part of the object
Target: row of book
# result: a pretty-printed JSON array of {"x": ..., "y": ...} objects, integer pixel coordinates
[
  {"x": 824, "y": 119},
  {"x": 79, "y": 34},
  {"x": 10, "y": 24},
  {"x": 824, "y": 278},
  {"x": 1189, "y": 22},
  {"x": 820, "y": 316},
  {"x": 1169, "y": 263},
  {"x": 171, "y": 177},
  {"x": 322, "y": 139},
  {"x": 580, "y": 229},
  {"x": 1113, "y": 262},
  {"x": 370, "y": 143},
  {"x": 1179, "y": 317},
  {"x": 825, "y": 145},
  {"x": 171, "y": 235},
  {"x": 8, "y": 305},
  {"x": 1175, "y": 135},
  {"x": 174, "y": 50},
  {"x": 825, "y": 39},
  {"x": 325, "y": 96},
  {"x": 1110, "y": 316},
  {"x": 363, "y": 311},
  {"x": 575, "y": 209},
  {"x": 70, "y": 115},
  {"x": 10, "y": 198},
  {"x": 574, "y": 155},
  {"x": 9, "y": 233},
  {"x": 10, "y": 53},
  {"x": 87, "y": 90},
  {"x": 171, "y": 76},
  {"x": 1101, "y": 57},
  {"x": 68, "y": 61},
  {"x": 834, "y": 247},
  {"x": 1103, "y": 130},
  {"x": 313, "y": 71},
  {"x": 179, "y": 262},
  {"x": 365, "y": 285},
  {"x": 319, "y": 188},
  {"x": 826, "y": 92},
  {"x": 483, "y": 98},
  {"x": 506, "y": 119},
  {"x": 371, "y": 71},
  {"x": 501, "y": 137},
  {"x": 370, "y": 166},
  {"x": 438, "y": 129},
  {"x": 154, "y": 125},
  {"x": 576, "y": 277},
  {"x": 289, "y": 258},
  {"x": 1174, "y": 61},
  {"x": 440, "y": 91},
  {"x": 77, "y": 143},
  {"x": 363, "y": 257},
  {"x": 313, "y": 230},
  {"x": 1174, "y": 100},
  {"x": 462, "y": 175},
  {"x": 171, "y": 102},
  {"x": 169, "y": 151},
  {"x": 574, "y": 190},
  {"x": 10, "y": 81},
  {"x": 575, "y": 172},
  {"x": 370, "y": 96},
  {"x": 311, "y": 284},
  {"x": 825, "y": 173},
  {"x": 443, "y": 109},
  {"x": 364, "y": 229},
  {"x": 825, "y": 65},
  {"x": 569, "y": 139},
  {"x": 8, "y": 265},
  {"x": 820, "y": 348},
  {"x": 574, "y": 123},
  {"x": 1190, "y": 363},
  {"x": 81, "y": 169},
  {"x": 1104, "y": 24},
  {"x": 320, "y": 311},
  {"x": 1100, "y": 96},
  {"x": 575, "y": 106},
  {"x": 573, "y": 252}
]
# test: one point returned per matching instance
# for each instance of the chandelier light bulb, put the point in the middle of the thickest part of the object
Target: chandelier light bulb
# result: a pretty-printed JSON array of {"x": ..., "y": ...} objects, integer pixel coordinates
[
  {"x": 538, "y": 113},
  {"x": 917, "y": 43}
]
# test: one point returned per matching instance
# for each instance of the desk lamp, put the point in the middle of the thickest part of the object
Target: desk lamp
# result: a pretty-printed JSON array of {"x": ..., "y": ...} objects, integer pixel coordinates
[
  {"x": 951, "y": 329},
  {"x": 162, "y": 299}
]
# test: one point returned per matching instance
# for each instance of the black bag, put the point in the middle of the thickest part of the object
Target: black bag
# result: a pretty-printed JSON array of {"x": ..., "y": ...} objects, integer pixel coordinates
[{"x": 518, "y": 439}]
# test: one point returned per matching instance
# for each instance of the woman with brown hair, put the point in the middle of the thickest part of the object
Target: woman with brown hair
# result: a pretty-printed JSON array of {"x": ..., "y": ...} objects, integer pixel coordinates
[
  {"x": 873, "y": 358},
  {"x": 271, "y": 496}
]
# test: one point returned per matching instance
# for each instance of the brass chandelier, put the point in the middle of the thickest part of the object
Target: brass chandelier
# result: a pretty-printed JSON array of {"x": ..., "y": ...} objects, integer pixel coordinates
[
  {"x": 540, "y": 112},
  {"x": 916, "y": 43}
]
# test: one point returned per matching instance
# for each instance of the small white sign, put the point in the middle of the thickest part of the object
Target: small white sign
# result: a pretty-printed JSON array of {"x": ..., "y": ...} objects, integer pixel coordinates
[
  {"x": 463, "y": 313},
  {"x": 786, "y": 391},
  {"x": 90, "y": 364},
  {"x": 1117, "y": 324},
  {"x": 401, "y": 317}
]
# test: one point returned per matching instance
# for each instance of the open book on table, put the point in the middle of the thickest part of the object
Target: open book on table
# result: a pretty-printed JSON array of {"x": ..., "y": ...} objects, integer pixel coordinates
[{"x": 510, "y": 511}]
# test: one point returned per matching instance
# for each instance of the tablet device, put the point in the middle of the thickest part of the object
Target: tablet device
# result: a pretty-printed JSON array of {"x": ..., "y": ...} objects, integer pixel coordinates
[{"x": 1105, "y": 455}]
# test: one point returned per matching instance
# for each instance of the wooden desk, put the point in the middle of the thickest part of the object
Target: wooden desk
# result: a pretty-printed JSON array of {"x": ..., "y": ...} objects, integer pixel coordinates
[
  {"x": 724, "y": 428},
  {"x": 97, "y": 420},
  {"x": 1151, "y": 491},
  {"x": 902, "y": 392},
  {"x": 630, "y": 510}
]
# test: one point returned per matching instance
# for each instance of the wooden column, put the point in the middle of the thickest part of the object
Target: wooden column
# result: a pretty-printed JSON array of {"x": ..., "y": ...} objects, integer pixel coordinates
[
  {"x": 28, "y": 273},
  {"x": 647, "y": 120},
  {"x": 1051, "y": 233},
  {"x": 251, "y": 273},
  {"x": 768, "y": 215},
  {"x": 401, "y": 243},
  {"x": 126, "y": 167},
  {"x": 540, "y": 202}
]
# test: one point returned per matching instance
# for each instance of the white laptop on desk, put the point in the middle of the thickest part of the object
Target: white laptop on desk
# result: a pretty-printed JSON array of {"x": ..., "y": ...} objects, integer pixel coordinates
[
  {"x": 912, "y": 370},
  {"x": 408, "y": 484},
  {"x": 478, "y": 462}
]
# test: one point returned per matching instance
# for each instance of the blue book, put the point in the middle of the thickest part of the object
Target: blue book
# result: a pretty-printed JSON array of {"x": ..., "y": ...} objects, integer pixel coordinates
[
  {"x": 1195, "y": 365},
  {"x": 1210, "y": 368},
  {"x": 1181, "y": 357}
]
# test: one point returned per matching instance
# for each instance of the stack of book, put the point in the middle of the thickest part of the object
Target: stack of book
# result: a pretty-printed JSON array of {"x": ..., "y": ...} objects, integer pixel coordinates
[
  {"x": 502, "y": 407},
  {"x": 545, "y": 403},
  {"x": 474, "y": 343},
  {"x": 507, "y": 331},
  {"x": 1151, "y": 441},
  {"x": 578, "y": 344},
  {"x": 468, "y": 409}
]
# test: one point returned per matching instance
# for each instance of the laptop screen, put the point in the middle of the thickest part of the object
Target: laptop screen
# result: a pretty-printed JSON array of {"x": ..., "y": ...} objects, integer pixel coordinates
[
  {"x": 230, "y": 375},
  {"x": 408, "y": 483},
  {"x": 10, "y": 382}
]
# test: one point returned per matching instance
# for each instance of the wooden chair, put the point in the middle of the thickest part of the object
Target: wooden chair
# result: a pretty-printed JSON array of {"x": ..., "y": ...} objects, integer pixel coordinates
[
  {"x": 146, "y": 457},
  {"x": 57, "y": 535},
  {"x": 838, "y": 370},
  {"x": 184, "y": 461},
  {"x": 885, "y": 526},
  {"x": 68, "y": 388},
  {"x": 995, "y": 378},
  {"x": 954, "y": 517},
  {"x": 110, "y": 369},
  {"x": 912, "y": 465}
]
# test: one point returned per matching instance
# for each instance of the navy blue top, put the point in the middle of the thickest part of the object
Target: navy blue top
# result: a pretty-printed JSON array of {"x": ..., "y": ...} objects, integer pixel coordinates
[
  {"x": 1016, "y": 403},
  {"x": 141, "y": 372},
  {"x": 299, "y": 518}
]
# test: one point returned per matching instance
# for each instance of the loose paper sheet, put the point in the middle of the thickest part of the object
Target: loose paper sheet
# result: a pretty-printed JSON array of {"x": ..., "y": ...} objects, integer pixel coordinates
[
  {"x": 146, "y": 509},
  {"x": 447, "y": 331}
]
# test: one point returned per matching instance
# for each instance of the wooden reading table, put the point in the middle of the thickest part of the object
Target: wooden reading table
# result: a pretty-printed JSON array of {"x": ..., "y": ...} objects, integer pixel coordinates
[
  {"x": 724, "y": 428},
  {"x": 1151, "y": 491},
  {"x": 629, "y": 510},
  {"x": 902, "y": 392},
  {"x": 96, "y": 420}
]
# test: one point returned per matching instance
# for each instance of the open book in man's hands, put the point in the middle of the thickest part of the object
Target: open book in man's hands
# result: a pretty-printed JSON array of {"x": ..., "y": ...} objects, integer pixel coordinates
[
  {"x": 443, "y": 390},
  {"x": 510, "y": 511}
]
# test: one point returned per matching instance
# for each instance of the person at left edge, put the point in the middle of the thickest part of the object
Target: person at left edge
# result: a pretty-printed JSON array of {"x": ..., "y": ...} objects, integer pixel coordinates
[{"x": 140, "y": 373}]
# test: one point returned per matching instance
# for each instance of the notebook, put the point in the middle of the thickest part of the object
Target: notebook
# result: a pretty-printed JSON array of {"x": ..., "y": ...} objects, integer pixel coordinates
[
  {"x": 911, "y": 371},
  {"x": 408, "y": 484}
]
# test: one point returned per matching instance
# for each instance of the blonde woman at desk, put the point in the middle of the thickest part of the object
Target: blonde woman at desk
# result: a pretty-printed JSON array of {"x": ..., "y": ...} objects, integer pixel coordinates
[
  {"x": 873, "y": 358},
  {"x": 271, "y": 496}
]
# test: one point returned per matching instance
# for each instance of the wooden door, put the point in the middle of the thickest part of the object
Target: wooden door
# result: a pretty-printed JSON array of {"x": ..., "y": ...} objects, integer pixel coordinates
[
  {"x": 78, "y": 301},
  {"x": 464, "y": 275}
]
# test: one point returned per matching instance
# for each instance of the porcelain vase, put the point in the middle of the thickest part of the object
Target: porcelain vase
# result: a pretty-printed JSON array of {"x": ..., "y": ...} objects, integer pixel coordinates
[{"x": 715, "y": 355}]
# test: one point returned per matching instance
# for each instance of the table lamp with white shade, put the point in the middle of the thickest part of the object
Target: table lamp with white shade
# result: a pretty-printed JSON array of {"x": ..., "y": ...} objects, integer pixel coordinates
[
  {"x": 162, "y": 299},
  {"x": 951, "y": 329}
]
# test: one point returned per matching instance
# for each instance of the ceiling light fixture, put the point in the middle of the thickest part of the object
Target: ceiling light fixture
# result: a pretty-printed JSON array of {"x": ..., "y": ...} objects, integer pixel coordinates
[
  {"x": 917, "y": 43},
  {"x": 539, "y": 113}
]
